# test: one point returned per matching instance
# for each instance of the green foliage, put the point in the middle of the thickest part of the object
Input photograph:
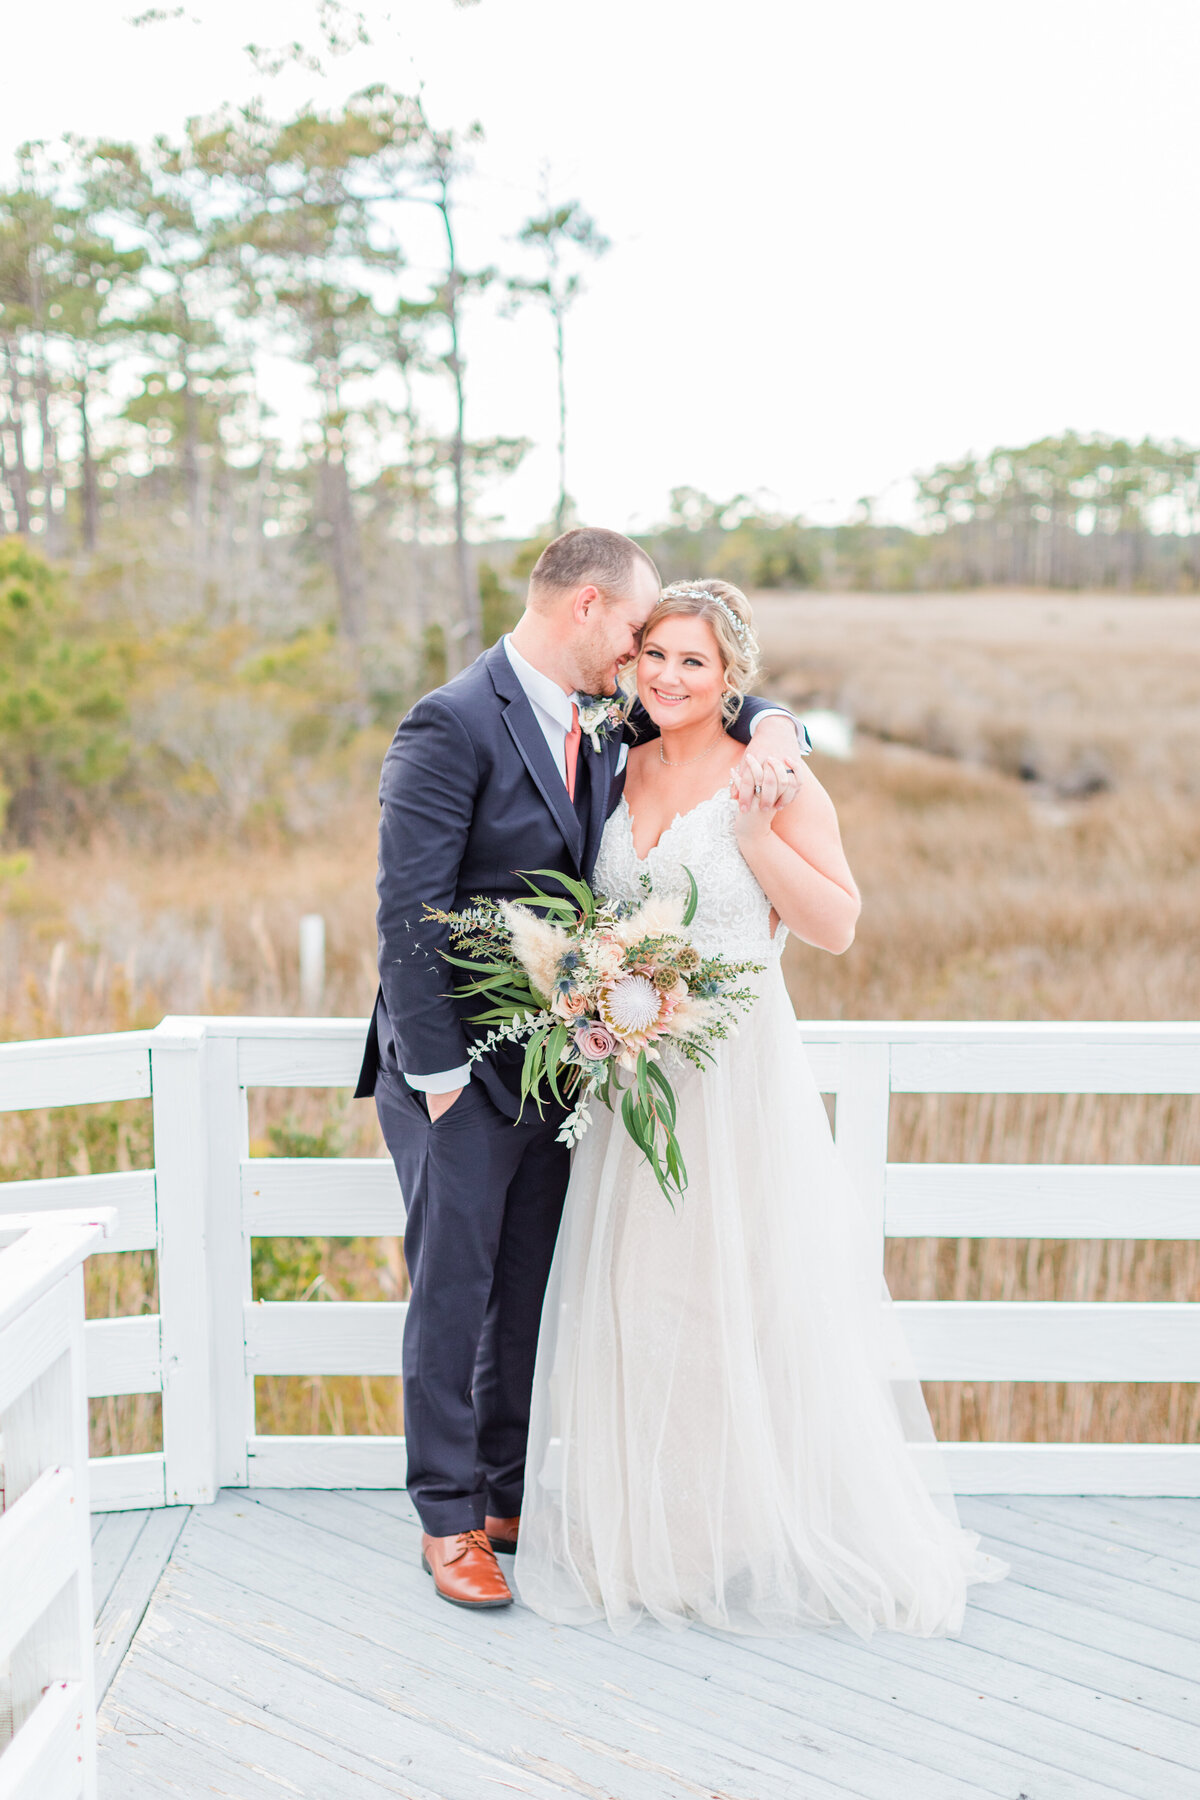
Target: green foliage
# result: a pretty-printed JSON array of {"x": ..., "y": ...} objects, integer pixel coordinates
[
  {"x": 501, "y": 608},
  {"x": 291, "y": 1139},
  {"x": 736, "y": 540},
  {"x": 1106, "y": 484},
  {"x": 64, "y": 740},
  {"x": 76, "y": 1140},
  {"x": 526, "y": 555}
]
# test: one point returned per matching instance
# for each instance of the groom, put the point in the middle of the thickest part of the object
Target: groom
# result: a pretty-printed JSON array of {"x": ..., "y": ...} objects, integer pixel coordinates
[{"x": 487, "y": 776}]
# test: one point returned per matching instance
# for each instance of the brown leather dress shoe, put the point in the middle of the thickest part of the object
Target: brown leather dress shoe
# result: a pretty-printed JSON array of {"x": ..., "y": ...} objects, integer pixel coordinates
[
  {"x": 464, "y": 1569},
  {"x": 502, "y": 1534}
]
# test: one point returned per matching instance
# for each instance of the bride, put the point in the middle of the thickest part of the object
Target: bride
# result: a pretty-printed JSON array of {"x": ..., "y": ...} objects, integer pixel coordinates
[{"x": 726, "y": 1427}]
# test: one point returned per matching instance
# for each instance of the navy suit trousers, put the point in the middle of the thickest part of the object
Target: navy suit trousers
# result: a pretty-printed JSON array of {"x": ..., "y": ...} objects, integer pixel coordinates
[{"x": 484, "y": 1199}]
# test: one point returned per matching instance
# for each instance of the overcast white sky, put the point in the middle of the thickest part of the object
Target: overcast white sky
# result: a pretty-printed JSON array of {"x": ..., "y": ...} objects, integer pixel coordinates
[{"x": 850, "y": 239}]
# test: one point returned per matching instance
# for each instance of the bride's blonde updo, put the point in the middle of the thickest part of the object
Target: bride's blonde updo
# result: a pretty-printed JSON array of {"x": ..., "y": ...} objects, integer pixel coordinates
[{"x": 727, "y": 610}]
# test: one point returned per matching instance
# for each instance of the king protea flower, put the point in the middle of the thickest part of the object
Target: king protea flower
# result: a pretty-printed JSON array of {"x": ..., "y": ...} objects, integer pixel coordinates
[{"x": 636, "y": 1010}]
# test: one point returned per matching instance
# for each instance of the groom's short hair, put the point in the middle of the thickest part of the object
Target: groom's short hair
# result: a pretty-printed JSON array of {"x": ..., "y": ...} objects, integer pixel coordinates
[{"x": 587, "y": 554}]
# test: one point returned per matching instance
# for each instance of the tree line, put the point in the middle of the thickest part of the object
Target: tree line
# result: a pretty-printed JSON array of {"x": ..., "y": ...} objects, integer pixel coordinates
[
  {"x": 1076, "y": 511},
  {"x": 143, "y": 289}
]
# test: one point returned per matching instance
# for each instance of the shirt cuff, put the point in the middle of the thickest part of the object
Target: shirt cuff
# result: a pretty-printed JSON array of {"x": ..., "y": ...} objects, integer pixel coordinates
[
  {"x": 781, "y": 712},
  {"x": 444, "y": 1082}
]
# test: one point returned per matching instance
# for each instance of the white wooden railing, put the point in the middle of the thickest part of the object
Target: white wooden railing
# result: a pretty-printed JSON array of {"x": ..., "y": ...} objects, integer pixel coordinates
[
  {"x": 47, "y": 1686},
  {"x": 206, "y": 1198}
]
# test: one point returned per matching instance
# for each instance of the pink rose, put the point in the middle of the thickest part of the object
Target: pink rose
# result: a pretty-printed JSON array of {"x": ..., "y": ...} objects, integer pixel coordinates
[
  {"x": 569, "y": 1006},
  {"x": 596, "y": 1042}
]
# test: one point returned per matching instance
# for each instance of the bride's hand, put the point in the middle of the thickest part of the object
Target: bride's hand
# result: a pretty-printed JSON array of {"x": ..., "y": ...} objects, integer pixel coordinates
[
  {"x": 750, "y": 773},
  {"x": 759, "y": 794}
]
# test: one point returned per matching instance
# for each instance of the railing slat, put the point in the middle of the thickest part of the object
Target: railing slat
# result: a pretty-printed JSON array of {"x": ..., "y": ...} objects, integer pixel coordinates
[
  {"x": 1041, "y": 1065},
  {"x": 321, "y": 1197},
  {"x": 1043, "y": 1340},
  {"x": 332, "y": 1060},
  {"x": 991, "y": 1468},
  {"x": 37, "y": 1545},
  {"x": 309, "y": 1337},
  {"x": 42, "y": 1761},
  {"x": 328, "y": 1462},
  {"x": 123, "y": 1356},
  {"x": 128, "y": 1483},
  {"x": 74, "y": 1071},
  {"x": 825, "y": 1061},
  {"x": 44, "y": 1420},
  {"x": 1042, "y": 1200},
  {"x": 1072, "y": 1468},
  {"x": 31, "y": 1342},
  {"x": 130, "y": 1191}
]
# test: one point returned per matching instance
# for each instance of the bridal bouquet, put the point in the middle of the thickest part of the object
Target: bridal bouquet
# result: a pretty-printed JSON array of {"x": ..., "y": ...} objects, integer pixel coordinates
[{"x": 595, "y": 989}]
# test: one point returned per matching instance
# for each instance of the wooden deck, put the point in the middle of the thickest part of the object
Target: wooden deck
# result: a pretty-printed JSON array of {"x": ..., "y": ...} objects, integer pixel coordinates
[{"x": 292, "y": 1647}]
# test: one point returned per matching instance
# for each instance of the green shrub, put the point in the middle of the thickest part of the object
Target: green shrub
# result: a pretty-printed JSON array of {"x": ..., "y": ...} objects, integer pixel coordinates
[{"x": 63, "y": 738}]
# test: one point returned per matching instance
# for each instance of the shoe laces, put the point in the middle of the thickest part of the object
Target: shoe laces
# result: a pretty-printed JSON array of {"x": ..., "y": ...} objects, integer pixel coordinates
[{"x": 475, "y": 1540}]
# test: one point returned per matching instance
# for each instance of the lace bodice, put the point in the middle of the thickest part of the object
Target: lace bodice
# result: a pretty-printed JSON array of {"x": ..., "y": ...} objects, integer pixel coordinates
[{"x": 733, "y": 917}]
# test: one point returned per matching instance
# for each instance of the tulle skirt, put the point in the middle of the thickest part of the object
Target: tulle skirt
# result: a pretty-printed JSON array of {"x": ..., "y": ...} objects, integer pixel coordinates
[{"x": 727, "y": 1427}]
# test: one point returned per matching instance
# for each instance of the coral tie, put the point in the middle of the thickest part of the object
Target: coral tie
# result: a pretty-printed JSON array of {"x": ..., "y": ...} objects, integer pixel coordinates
[{"x": 572, "y": 749}]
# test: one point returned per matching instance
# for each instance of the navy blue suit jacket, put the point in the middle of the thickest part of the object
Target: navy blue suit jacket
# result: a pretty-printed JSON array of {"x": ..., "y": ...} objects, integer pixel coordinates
[{"x": 469, "y": 795}]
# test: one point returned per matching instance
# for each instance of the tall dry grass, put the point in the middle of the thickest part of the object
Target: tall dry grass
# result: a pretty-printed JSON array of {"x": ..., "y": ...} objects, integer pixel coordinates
[{"x": 986, "y": 897}]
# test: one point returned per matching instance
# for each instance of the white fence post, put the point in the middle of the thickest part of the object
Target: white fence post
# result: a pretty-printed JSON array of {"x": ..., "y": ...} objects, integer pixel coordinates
[
  {"x": 178, "y": 1057},
  {"x": 861, "y": 1125},
  {"x": 228, "y": 1258}
]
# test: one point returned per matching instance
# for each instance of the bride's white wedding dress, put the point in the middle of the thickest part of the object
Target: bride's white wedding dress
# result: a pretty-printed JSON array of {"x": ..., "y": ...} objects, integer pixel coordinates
[{"x": 726, "y": 1426}]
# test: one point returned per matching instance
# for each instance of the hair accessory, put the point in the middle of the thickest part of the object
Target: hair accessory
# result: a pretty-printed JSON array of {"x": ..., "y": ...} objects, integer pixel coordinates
[{"x": 682, "y": 590}]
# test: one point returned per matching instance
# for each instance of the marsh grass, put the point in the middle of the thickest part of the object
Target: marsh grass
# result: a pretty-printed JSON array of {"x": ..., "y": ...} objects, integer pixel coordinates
[{"x": 987, "y": 896}]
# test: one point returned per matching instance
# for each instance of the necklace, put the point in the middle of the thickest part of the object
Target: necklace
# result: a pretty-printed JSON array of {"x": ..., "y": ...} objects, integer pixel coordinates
[{"x": 684, "y": 761}]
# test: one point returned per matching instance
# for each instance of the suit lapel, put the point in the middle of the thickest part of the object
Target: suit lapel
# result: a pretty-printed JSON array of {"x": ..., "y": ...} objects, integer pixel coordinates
[{"x": 534, "y": 751}]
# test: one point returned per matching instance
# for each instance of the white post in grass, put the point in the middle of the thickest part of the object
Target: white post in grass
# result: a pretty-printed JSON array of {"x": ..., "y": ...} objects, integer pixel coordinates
[{"x": 312, "y": 963}]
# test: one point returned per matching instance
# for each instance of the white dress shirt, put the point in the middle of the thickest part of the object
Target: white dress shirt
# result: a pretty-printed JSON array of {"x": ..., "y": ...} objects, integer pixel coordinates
[{"x": 552, "y": 710}]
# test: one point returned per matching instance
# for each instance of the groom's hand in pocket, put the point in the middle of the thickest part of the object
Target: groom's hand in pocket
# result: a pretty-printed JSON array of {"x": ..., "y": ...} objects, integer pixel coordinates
[{"x": 441, "y": 1103}]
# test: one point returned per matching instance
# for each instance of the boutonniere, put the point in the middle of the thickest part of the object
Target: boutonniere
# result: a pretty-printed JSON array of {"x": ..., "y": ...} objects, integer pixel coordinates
[{"x": 598, "y": 714}]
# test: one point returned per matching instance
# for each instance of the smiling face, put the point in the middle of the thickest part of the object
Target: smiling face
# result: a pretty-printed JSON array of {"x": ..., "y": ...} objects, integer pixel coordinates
[
  {"x": 680, "y": 673},
  {"x": 606, "y": 629}
]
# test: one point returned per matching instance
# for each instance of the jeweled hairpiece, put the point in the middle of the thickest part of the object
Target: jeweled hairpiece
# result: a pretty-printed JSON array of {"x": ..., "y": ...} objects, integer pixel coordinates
[{"x": 682, "y": 590}]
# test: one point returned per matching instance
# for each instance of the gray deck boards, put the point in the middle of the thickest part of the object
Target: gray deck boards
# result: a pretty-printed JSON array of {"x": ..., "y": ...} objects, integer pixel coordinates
[{"x": 293, "y": 1647}]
